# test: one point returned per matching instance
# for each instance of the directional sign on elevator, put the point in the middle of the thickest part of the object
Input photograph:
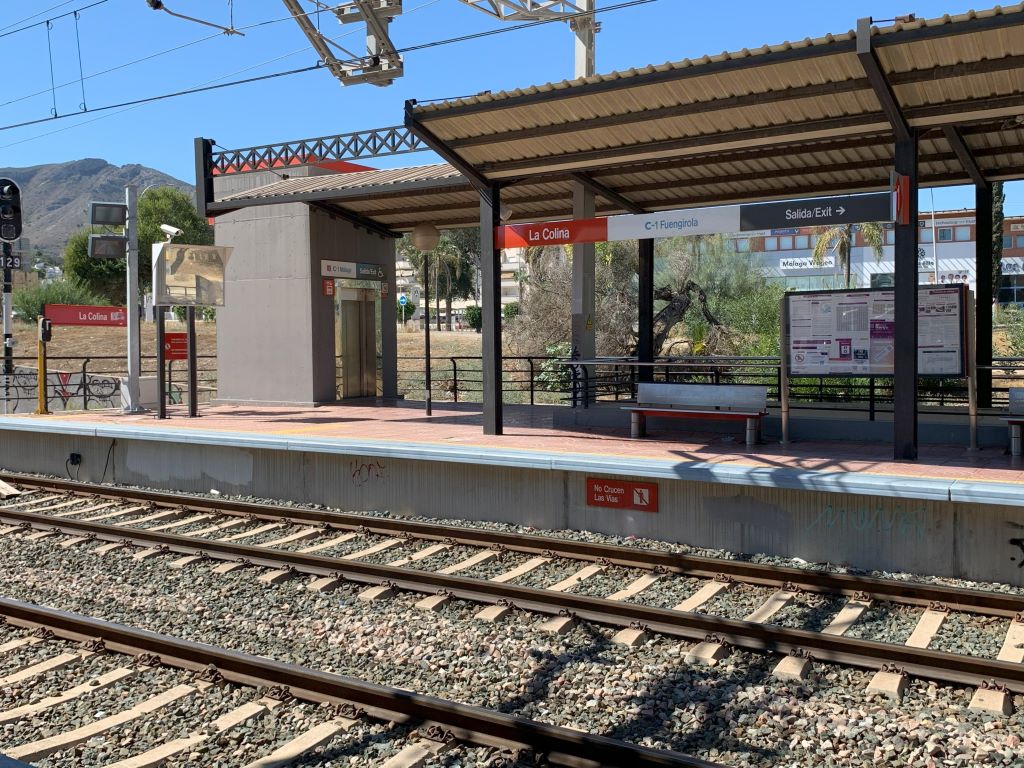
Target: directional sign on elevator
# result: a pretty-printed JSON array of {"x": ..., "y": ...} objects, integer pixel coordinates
[{"x": 822, "y": 211}]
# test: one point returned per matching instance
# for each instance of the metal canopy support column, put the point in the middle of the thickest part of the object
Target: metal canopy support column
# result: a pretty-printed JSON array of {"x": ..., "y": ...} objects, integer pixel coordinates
[
  {"x": 584, "y": 343},
  {"x": 490, "y": 268},
  {"x": 984, "y": 295},
  {"x": 645, "y": 342},
  {"x": 905, "y": 341}
]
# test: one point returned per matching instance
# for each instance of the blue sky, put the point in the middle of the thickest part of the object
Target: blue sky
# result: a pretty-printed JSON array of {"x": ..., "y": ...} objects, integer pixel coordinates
[{"x": 160, "y": 135}]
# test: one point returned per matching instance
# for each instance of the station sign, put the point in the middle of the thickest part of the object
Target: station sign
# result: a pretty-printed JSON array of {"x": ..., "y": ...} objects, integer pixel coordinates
[
  {"x": 176, "y": 346},
  {"x": 756, "y": 217},
  {"x": 622, "y": 494},
  {"x": 78, "y": 314},
  {"x": 352, "y": 270},
  {"x": 826, "y": 211}
]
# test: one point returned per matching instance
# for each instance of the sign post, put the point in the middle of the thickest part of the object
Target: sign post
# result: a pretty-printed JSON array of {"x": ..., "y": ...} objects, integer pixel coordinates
[{"x": 131, "y": 231}]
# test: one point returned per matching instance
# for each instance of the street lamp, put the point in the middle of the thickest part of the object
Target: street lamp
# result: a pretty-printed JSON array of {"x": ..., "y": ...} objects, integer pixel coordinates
[{"x": 425, "y": 238}]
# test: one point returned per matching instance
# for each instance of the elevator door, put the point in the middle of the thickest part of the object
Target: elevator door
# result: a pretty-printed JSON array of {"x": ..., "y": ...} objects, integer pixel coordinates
[{"x": 357, "y": 342}]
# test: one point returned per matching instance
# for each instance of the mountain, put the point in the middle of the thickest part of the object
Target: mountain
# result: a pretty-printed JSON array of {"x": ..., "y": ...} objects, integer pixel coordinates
[{"x": 55, "y": 198}]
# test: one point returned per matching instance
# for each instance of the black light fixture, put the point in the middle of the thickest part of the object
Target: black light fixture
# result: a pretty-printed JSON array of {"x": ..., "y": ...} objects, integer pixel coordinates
[
  {"x": 107, "y": 246},
  {"x": 108, "y": 214}
]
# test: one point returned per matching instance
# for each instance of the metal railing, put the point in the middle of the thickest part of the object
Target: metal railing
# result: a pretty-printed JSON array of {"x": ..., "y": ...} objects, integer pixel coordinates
[
  {"x": 77, "y": 383},
  {"x": 617, "y": 378},
  {"x": 93, "y": 382}
]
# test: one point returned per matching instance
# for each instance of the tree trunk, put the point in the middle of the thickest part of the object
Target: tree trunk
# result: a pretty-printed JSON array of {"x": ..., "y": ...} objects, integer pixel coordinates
[{"x": 448, "y": 312}]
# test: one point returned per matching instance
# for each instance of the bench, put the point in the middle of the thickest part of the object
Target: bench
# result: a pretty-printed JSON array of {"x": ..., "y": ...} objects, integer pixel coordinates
[
  {"x": 700, "y": 401},
  {"x": 1015, "y": 419}
]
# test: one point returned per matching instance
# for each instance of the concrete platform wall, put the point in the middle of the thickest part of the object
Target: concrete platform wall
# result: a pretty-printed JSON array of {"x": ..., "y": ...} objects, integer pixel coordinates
[{"x": 939, "y": 537}]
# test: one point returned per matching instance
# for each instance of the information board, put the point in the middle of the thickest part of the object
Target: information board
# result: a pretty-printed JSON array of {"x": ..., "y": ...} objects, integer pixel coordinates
[{"x": 852, "y": 333}]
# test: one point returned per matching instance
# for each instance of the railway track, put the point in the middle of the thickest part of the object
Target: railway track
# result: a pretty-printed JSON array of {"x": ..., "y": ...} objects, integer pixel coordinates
[
  {"x": 61, "y": 642},
  {"x": 152, "y": 523}
]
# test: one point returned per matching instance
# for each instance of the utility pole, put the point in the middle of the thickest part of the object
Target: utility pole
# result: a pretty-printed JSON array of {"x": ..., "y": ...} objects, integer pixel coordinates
[
  {"x": 8, "y": 319},
  {"x": 10, "y": 230},
  {"x": 131, "y": 231}
]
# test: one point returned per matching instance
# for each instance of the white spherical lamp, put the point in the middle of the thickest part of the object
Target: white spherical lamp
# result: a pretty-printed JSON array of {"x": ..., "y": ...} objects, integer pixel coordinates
[{"x": 425, "y": 237}]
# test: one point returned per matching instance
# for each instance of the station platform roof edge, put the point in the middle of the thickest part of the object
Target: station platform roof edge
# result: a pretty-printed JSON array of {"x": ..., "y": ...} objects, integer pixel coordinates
[{"x": 799, "y": 119}]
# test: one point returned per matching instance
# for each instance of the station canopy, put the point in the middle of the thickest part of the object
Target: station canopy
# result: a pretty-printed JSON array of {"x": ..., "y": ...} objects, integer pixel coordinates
[{"x": 794, "y": 120}]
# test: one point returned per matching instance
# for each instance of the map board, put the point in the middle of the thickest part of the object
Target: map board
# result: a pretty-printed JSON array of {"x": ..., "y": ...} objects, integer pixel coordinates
[{"x": 852, "y": 333}]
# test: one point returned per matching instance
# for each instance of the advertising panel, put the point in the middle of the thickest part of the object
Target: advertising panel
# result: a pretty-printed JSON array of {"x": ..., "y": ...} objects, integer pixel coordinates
[
  {"x": 189, "y": 275},
  {"x": 852, "y": 333}
]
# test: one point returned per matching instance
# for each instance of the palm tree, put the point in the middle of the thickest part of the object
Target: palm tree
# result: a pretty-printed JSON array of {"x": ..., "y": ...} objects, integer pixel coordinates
[{"x": 839, "y": 239}]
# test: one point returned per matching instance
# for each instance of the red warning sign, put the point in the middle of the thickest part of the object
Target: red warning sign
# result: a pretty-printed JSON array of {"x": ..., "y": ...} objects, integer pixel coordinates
[
  {"x": 175, "y": 346},
  {"x": 621, "y": 494}
]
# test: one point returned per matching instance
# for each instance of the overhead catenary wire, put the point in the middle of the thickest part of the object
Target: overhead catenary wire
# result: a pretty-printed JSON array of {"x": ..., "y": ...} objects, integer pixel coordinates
[
  {"x": 318, "y": 65},
  {"x": 37, "y": 14},
  {"x": 53, "y": 18},
  {"x": 160, "y": 53}
]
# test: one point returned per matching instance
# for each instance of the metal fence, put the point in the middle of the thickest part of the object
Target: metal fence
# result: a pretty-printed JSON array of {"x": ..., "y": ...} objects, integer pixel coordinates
[
  {"x": 94, "y": 382},
  {"x": 84, "y": 383},
  {"x": 552, "y": 380}
]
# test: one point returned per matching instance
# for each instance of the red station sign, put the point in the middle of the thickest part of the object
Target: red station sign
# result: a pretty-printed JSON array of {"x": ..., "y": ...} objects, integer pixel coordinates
[
  {"x": 622, "y": 494},
  {"x": 552, "y": 233},
  {"x": 175, "y": 346},
  {"x": 76, "y": 314}
]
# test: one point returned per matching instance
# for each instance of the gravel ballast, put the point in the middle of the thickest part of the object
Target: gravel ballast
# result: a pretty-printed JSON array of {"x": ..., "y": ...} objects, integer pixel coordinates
[{"x": 734, "y": 713}]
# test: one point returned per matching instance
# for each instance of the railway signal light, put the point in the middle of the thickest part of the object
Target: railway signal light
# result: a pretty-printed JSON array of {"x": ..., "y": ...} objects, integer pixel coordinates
[{"x": 10, "y": 210}]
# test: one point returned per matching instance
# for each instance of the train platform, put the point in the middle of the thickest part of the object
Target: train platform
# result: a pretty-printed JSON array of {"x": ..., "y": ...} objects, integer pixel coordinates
[{"x": 401, "y": 430}]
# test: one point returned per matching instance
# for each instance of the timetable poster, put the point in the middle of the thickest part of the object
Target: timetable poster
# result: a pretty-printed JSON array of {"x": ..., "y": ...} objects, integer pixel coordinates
[{"x": 853, "y": 333}]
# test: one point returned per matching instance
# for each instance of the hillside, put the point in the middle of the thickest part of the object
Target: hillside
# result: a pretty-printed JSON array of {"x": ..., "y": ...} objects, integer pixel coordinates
[{"x": 56, "y": 197}]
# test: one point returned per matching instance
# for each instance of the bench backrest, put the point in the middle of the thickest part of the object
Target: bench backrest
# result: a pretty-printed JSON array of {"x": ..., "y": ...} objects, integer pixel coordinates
[
  {"x": 726, "y": 397},
  {"x": 1016, "y": 399}
]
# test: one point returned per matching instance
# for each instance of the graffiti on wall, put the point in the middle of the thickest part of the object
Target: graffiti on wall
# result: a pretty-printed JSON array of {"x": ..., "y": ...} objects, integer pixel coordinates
[
  {"x": 65, "y": 391},
  {"x": 900, "y": 521}
]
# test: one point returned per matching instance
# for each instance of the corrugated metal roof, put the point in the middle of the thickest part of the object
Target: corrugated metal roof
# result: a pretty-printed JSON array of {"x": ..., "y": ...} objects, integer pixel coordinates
[
  {"x": 955, "y": 69},
  {"x": 792, "y": 120},
  {"x": 435, "y": 174}
]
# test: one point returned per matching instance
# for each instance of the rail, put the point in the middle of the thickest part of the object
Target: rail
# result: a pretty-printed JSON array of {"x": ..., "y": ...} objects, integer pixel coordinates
[
  {"x": 471, "y": 724},
  {"x": 935, "y": 665}
]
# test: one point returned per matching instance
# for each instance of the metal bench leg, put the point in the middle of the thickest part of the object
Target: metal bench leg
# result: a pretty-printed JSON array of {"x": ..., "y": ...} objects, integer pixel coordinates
[
  {"x": 637, "y": 424},
  {"x": 752, "y": 433},
  {"x": 1015, "y": 440}
]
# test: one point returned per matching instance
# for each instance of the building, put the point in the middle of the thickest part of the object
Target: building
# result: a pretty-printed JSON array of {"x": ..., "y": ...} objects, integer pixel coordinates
[
  {"x": 785, "y": 255},
  {"x": 514, "y": 270}
]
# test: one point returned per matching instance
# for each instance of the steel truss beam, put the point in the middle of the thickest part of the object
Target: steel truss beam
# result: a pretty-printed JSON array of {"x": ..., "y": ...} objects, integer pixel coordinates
[
  {"x": 377, "y": 142},
  {"x": 879, "y": 83},
  {"x": 356, "y": 219},
  {"x": 608, "y": 193},
  {"x": 956, "y": 142},
  {"x": 521, "y": 10},
  {"x": 380, "y": 65}
]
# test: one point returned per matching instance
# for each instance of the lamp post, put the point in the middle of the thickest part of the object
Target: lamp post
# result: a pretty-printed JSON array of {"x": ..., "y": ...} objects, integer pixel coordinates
[{"x": 425, "y": 238}]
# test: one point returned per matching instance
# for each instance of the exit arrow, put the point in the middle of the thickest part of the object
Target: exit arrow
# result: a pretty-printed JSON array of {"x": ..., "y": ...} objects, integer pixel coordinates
[{"x": 840, "y": 210}]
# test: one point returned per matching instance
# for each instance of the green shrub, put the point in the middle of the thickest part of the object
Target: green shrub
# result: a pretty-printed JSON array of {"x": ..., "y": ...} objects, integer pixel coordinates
[
  {"x": 29, "y": 302},
  {"x": 510, "y": 310},
  {"x": 474, "y": 317},
  {"x": 556, "y": 377},
  {"x": 409, "y": 309}
]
